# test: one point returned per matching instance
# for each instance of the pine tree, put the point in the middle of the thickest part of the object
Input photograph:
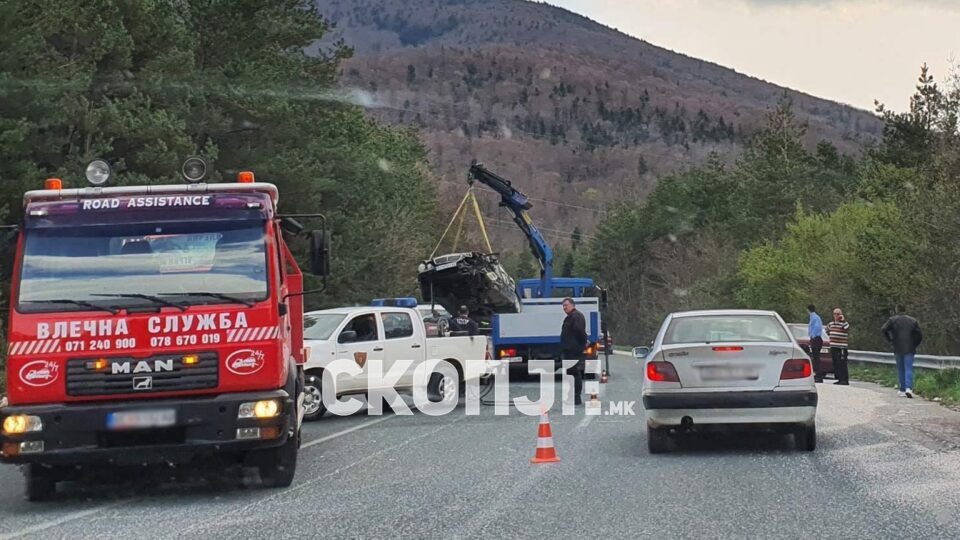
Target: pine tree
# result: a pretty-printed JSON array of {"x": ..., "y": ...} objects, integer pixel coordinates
[
  {"x": 525, "y": 267},
  {"x": 145, "y": 84}
]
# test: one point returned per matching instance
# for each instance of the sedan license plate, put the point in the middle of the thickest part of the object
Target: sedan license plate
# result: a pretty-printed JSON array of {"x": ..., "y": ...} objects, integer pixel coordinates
[
  {"x": 141, "y": 419},
  {"x": 732, "y": 373},
  {"x": 513, "y": 359}
]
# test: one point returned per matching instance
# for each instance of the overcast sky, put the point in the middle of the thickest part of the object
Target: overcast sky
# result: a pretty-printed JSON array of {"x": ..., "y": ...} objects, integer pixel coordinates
[{"x": 852, "y": 51}]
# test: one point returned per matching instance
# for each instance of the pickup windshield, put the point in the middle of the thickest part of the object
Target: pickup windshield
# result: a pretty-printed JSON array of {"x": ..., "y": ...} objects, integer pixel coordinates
[
  {"x": 70, "y": 268},
  {"x": 321, "y": 326}
]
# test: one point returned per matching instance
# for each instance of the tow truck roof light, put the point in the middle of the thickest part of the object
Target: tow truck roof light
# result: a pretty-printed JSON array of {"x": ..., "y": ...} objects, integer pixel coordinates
[
  {"x": 194, "y": 169},
  {"x": 245, "y": 177},
  {"x": 53, "y": 183},
  {"x": 98, "y": 172},
  {"x": 394, "y": 302},
  {"x": 79, "y": 194}
]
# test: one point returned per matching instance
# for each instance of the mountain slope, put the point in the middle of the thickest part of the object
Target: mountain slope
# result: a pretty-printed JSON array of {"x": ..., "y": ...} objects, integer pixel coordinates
[{"x": 574, "y": 112}]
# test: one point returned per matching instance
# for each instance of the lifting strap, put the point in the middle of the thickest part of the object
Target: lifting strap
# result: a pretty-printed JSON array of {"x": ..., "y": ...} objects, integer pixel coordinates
[{"x": 459, "y": 217}]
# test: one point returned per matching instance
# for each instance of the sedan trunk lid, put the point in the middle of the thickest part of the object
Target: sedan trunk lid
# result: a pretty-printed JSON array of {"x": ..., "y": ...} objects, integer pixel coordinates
[{"x": 744, "y": 366}]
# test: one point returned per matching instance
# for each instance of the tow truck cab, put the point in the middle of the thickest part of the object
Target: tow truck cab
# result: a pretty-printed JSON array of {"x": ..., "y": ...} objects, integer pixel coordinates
[{"x": 154, "y": 323}]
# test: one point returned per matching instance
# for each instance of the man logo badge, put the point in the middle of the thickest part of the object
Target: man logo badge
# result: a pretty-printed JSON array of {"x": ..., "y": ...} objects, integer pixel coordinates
[
  {"x": 360, "y": 358},
  {"x": 143, "y": 383}
]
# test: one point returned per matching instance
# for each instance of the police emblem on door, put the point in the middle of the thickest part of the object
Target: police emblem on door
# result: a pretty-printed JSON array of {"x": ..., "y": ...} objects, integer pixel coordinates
[{"x": 360, "y": 358}]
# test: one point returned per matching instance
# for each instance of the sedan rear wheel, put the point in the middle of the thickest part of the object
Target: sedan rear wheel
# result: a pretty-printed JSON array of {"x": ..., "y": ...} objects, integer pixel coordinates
[
  {"x": 658, "y": 440},
  {"x": 805, "y": 438}
]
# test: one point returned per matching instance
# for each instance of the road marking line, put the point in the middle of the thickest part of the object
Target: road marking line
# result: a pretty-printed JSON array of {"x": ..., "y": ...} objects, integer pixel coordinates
[
  {"x": 309, "y": 482},
  {"x": 346, "y": 431},
  {"x": 487, "y": 511},
  {"x": 89, "y": 512},
  {"x": 60, "y": 521}
]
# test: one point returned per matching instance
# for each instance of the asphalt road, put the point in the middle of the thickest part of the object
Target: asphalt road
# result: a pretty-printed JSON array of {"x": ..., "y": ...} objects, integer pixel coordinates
[{"x": 886, "y": 467}]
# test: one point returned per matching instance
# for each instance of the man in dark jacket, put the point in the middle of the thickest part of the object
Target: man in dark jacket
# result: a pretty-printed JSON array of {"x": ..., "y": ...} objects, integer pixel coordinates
[
  {"x": 573, "y": 340},
  {"x": 463, "y": 323},
  {"x": 903, "y": 333}
]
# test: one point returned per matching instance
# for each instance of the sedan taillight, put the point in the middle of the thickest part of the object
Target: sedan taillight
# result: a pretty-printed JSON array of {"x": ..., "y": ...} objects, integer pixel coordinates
[
  {"x": 797, "y": 368},
  {"x": 662, "y": 372}
]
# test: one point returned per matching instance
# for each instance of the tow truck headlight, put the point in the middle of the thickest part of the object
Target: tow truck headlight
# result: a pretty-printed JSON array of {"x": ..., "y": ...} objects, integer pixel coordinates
[
  {"x": 98, "y": 172},
  {"x": 19, "y": 424},
  {"x": 267, "y": 408}
]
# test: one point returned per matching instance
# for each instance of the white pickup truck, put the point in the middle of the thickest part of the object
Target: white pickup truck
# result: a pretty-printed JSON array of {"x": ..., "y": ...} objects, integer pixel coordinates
[{"x": 386, "y": 336}]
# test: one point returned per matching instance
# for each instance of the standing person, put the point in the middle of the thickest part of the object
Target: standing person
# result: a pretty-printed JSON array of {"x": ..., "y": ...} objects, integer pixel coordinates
[
  {"x": 573, "y": 340},
  {"x": 463, "y": 323},
  {"x": 839, "y": 332},
  {"x": 903, "y": 333},
  {"x": 815, "y": 331}
]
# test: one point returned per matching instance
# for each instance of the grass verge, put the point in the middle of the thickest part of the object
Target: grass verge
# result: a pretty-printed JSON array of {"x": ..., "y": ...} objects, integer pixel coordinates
[{"x": 938, "y": 385}]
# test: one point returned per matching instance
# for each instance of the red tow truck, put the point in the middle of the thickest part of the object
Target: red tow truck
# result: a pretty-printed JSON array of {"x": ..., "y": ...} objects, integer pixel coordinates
[{"x": 155, "y": 324}]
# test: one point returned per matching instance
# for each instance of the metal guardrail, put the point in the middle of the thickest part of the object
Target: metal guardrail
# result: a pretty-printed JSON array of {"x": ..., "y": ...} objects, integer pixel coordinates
[{"x": 922, "y": 360}]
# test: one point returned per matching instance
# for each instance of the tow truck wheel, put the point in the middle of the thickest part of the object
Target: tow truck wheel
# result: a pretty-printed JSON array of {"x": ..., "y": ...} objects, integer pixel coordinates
[
  {"x": 278, "y": 465},
  {"x": 41, "y": 483},
  {"x": 313, "y": 407}
]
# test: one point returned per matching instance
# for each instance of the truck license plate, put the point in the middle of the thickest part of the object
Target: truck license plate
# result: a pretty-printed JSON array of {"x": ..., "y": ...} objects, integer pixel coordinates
[{"x": 141, "y": 419}]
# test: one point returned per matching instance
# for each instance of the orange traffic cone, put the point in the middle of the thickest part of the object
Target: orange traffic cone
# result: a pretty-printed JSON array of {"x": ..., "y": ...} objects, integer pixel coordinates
[
  {"x": 546, "y": 453},
  {"x": 594, "y": 402},
  {"x": 603, "y": 377}
]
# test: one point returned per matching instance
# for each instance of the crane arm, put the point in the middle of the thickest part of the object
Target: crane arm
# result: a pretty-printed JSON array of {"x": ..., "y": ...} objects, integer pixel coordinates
[{"x": 518, "y": 203}]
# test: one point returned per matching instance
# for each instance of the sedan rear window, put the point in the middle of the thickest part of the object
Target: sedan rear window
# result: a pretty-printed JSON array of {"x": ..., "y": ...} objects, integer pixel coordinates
[{"x": 725, "y": 329}]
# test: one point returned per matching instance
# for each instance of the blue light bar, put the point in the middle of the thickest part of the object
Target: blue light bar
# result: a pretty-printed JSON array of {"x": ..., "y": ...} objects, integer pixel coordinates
[{"x": 395, "y": 302}]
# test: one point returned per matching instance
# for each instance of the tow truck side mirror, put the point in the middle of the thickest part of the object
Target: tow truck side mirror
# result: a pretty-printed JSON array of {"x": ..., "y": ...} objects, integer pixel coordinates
[
  {"x": 347, "y": 336},
  {"x": 8, "y": 244},
  {"x": 319, "y": 253}
]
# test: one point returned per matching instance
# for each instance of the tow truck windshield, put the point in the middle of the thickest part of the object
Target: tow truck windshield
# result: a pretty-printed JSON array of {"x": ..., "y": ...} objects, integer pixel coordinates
[{"x": 143, "y": 265}]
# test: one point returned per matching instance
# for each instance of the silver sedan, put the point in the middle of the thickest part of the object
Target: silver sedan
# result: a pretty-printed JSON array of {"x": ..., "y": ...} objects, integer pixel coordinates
[{"x": 726, "y": 369}]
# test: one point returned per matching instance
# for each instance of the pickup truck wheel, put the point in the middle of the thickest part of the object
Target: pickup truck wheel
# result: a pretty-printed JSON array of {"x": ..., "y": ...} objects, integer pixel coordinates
[
  {"x": 658, "y": 440},
  {"x": 805, "y": 438},
  {"x": 313, "y": 407},
  {"x": 443, "y": 388},
  {"x": 41, "y": 483}
]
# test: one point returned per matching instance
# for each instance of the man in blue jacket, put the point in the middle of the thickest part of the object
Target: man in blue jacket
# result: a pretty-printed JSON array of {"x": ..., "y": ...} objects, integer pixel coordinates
[{"x": 815, "y": 331}]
